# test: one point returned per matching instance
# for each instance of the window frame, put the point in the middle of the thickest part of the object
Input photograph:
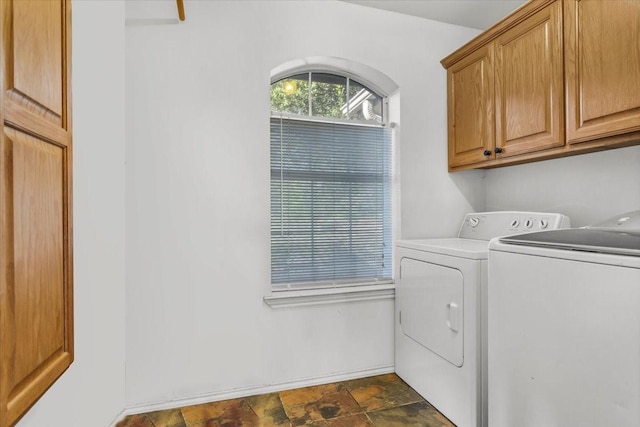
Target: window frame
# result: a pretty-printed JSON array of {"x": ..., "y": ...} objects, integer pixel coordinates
[{"x": 320, "y": 292}]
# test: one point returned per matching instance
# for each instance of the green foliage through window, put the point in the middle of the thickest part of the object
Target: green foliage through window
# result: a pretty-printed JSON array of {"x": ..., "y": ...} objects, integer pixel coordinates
[
  {"x": 325, "y": 95},
  {"x": 291, "y": 95}
]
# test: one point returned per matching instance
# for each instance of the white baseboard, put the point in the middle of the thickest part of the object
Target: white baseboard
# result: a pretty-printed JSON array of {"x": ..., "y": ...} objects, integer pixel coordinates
[
  {"x": 118, "y": 417},
  {"x": 251, "y": 391}
]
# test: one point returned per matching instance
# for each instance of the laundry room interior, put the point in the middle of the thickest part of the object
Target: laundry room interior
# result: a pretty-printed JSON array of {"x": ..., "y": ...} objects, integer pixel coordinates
[{"x": 174, "y": 302}]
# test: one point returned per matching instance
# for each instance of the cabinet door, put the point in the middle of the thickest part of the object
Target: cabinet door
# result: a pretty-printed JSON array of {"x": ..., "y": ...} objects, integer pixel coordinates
[
  {"x": 470, "y": 108},
  {"x": 36, "y": 311},
  {"x": 529, "y": 84},
  {"x": 602, "y": 66}
]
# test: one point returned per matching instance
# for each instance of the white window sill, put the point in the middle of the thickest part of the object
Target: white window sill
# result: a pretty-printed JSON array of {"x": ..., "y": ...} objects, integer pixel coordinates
[{"x": 283, "y": 299}]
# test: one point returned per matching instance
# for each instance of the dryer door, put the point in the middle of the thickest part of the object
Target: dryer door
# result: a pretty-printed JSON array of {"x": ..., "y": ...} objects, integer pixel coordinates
[{"x": 432, "y": 307}]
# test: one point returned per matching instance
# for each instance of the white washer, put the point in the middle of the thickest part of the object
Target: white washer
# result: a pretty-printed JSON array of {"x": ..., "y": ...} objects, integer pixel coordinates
[
  {"x": 564, "y": 327},
  {"x": 441, "y": 284}
]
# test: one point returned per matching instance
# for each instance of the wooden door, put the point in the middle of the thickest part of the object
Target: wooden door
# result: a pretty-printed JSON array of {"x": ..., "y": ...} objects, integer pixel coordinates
[
  {"x": 470, "y": 108},
  {"x": 602, "y": 66},
  {"x": 529, "y": 85},
  {"x": 36, "y": 311}
]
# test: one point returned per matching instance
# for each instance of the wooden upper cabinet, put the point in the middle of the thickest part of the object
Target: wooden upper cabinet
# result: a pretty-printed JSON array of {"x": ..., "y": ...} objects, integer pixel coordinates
[
  {"x": 470, "y": 108},
  {"x": 36, "y": 269},
  {"x": 564, "y": 72},
  {"x": 602, "y": 66},
  {"x": 529, "y": 85}
]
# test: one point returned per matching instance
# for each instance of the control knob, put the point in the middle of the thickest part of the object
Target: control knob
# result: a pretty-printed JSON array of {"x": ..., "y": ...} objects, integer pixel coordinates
[
  {"x": 528, "y": 223},
  {"x": 544, "y": 223},
  {"x": 473, "y": 222},
  {"x": 515, "y": 223}
]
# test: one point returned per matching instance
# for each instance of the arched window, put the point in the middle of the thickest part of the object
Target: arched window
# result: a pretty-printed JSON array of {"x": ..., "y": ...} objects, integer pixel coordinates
[
  {"x": 326, "y": 95},
  {"x": 330, "y": 182}
]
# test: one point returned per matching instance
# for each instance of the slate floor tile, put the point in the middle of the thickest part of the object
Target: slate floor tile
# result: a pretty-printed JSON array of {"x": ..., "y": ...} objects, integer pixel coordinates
[
  {"x": 234, "y": 412},
  {"x": 318, "y": 403},
  {"x": 358, "y": 420},
  {"x": 135, "y": 421},
  {"x": 168, "y": 418},
  {"x": 269, "y": 410},
  {"x": 382, "y": 391},
  {"x": 419, "y": 414}
]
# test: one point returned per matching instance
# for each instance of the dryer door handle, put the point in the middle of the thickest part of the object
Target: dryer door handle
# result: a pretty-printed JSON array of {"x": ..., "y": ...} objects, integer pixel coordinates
[{"x": 454, "y": 316}]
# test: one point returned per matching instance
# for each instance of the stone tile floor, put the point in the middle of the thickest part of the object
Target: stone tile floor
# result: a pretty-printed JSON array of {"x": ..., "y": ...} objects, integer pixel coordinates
[{"x": 383, "y": 400}]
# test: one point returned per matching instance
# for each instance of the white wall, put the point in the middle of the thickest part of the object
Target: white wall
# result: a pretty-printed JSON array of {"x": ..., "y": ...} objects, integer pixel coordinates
[
  {"x": 588, "y": 188},
  {"x": 197, "y": 107},
  {"x": 91, "y": 392}
]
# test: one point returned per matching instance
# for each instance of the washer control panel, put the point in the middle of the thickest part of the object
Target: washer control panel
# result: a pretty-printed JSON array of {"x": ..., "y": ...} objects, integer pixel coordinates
[{"x": 487, "y": 225}]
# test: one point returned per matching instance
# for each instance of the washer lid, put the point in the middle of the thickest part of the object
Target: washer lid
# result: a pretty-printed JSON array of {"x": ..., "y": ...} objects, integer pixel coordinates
[
  {"x": 618, "y": 235},
  {"x": 626, "y": 223}
]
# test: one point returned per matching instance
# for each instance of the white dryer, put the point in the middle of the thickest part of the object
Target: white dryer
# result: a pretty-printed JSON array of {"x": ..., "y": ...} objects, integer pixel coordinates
[
  {"x": 441, "y": 298},
  {"x": 564, "y": 327}
]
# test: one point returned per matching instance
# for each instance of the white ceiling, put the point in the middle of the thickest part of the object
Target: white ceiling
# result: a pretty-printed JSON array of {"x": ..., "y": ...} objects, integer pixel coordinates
[{"x": 480, "y": 14}]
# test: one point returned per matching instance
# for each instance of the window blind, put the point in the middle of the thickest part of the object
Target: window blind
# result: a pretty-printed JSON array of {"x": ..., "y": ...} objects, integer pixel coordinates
[{"x": 330, "y": 203}]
